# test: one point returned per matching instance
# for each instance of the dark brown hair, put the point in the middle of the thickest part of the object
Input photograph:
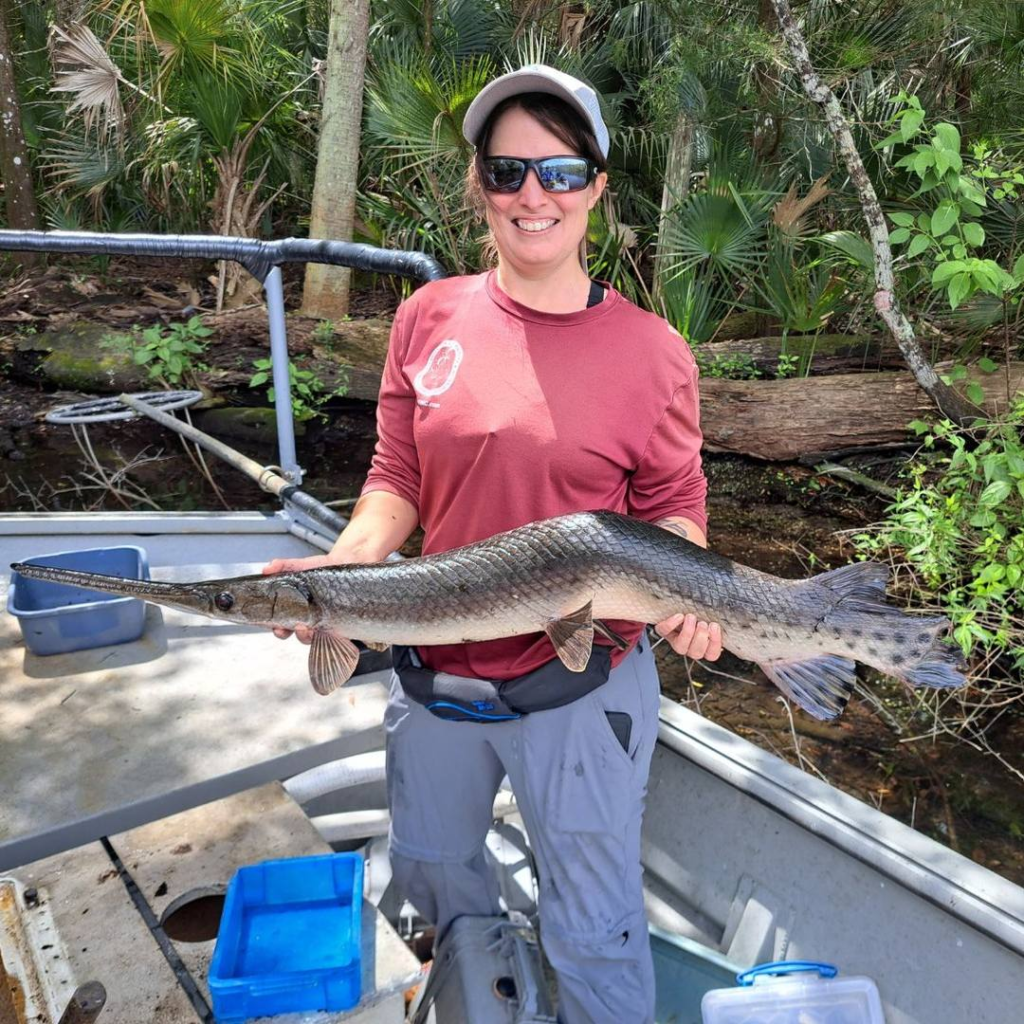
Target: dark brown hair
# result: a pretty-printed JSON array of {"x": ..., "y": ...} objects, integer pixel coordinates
[{"x": 559, "y": 117}]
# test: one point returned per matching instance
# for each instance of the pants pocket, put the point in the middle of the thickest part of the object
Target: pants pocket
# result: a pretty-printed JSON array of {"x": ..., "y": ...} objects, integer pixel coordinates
[{"x": 592, "y": 779}]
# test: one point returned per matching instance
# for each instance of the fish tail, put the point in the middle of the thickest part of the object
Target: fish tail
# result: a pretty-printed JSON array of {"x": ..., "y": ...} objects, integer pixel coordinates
[{"x": 942, "y": 663}]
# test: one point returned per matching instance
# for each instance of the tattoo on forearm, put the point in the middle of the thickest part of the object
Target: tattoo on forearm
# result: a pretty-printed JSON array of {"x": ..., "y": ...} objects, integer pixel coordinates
[{"x": 673, "y": 526}]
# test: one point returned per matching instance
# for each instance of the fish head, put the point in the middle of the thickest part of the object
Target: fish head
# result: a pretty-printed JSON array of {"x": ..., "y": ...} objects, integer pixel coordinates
[{"x": 284, "y": 600}]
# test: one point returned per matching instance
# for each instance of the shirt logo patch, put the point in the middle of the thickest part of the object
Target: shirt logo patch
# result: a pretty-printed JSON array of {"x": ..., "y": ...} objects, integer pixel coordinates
[{"x": 438, "y": 375}]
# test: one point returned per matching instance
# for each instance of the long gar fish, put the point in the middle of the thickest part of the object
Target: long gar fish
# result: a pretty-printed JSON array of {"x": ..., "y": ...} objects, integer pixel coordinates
[{"x": 565, "y": 576}]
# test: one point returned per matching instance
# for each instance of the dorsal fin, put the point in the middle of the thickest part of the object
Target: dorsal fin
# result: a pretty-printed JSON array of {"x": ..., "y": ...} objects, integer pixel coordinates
[{"x": 861, "y": 581}]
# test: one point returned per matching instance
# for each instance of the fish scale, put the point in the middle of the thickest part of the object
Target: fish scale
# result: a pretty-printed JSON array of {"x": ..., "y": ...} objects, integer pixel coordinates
[{"x": 562, "y": 575}]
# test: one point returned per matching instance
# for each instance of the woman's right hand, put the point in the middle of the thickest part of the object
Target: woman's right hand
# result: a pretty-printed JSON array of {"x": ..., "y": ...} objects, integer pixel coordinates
[{"x": 302, "y": 633}]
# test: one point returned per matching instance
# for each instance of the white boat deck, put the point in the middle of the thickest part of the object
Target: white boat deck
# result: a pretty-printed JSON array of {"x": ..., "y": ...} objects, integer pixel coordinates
[{"x": 99, "y": 741}]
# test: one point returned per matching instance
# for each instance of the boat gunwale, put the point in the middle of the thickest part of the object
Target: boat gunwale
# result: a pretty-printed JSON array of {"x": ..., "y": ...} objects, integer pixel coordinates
[{"x": 975, "y": 895}]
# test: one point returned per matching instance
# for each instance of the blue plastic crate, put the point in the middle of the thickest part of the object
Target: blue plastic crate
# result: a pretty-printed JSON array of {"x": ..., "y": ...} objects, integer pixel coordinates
[
  {"x": 289, "y": 938},
  {"x": 56, "y": 618}
]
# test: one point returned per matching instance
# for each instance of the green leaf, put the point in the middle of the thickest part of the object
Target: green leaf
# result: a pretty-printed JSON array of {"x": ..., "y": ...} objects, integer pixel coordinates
[
  {"x": 945, "y": 216},
  {"x": 975, "y": 392},
  {"x": 890, "y": 140},
  {"x": 904, "y": 220},
  {"x": 947, "y": 136},
  {"x": 899, "y": 235},
  {"x": 944, "y": 271},
  {"x": 259, "y": 378},
  {"x": 959, "y": 288},
  {"x": 970, "y": 191},
  {"x": 143, "y": 355},
  {"x": 910, "y": 124},
  {"x": 974, "y": 234},
  {"x": 995, "y": 494},
  {"x": 1018, "y": 269},
  {"x": 987, "y": 365},
  {"x": 918, "y": 244}
]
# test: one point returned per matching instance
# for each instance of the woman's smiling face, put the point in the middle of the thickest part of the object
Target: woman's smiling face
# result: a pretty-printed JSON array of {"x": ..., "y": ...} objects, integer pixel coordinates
[{"x": 533, "y": 229}]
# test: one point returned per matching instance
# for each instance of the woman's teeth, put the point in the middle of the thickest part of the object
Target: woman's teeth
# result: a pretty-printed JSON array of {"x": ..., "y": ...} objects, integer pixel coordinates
[{"x": 534, "y": 225}]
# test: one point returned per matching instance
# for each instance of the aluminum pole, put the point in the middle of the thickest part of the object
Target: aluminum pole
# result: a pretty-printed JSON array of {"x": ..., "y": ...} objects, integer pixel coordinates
[{"x": 282, "y": 382}]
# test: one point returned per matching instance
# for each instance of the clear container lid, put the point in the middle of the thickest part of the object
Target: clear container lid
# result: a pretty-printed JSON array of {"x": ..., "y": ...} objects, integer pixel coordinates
[{"x": 803, "y": 999}]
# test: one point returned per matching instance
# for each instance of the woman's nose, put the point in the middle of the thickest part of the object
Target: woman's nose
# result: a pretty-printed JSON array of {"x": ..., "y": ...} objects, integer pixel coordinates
[{"x": 531, "y": 192}]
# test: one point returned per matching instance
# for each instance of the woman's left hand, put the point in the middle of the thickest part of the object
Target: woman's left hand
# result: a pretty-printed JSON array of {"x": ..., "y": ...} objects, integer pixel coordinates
[{"x": 690, "y": 636}]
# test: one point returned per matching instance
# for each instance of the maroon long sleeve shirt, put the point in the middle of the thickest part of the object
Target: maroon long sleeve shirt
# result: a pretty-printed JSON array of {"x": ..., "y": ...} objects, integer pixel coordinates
[{"x": 493, "y": 415}]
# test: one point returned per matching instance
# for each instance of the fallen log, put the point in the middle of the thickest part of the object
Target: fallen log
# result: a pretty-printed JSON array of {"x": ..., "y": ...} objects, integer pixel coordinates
[
  {"x": 824, "y": 354},
  {"x": 782, "y": 420}
]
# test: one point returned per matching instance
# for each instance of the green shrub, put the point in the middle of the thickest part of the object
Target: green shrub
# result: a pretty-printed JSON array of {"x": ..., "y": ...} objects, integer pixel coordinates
[
  {"x": 958, "y": 527},
  {"x": 169, "y": 355}
]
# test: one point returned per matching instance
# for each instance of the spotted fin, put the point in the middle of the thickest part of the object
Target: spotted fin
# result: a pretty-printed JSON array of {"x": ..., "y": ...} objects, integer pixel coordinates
[
  {"x": 374, "y": 646},
  {"x": 821, "y": 686},
  {"x": 573, "y": 637},
  {"x": 332, "y": 660}
]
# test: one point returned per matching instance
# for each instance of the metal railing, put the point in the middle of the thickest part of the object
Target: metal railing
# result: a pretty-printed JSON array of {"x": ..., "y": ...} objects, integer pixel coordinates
[{"x": 263, "y": 260}]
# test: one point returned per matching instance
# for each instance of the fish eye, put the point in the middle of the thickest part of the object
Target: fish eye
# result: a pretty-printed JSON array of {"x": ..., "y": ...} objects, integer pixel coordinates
[{"x": 224, "y": 601}]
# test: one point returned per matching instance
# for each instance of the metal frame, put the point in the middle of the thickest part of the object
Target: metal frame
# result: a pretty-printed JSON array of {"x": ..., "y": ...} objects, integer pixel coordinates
[{"x": 263, "y": 260}]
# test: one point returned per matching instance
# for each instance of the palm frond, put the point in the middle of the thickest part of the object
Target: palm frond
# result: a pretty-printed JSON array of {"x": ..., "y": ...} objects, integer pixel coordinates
[{"x": 95, "y": 80}]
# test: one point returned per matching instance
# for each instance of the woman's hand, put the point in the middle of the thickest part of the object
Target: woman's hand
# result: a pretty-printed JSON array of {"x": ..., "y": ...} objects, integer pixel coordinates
[
  {"x": 688, "y": 636},
  {"x": 303, "y": 633}
]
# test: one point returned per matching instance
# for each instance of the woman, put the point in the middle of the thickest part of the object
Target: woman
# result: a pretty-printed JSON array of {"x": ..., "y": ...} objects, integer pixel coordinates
[{"x": 517, "y": 394}]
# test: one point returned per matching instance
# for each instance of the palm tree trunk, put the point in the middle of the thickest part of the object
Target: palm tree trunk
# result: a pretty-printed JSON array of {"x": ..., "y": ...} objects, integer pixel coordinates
[
  {"x": 675, "y": 189},
  {"x": 334, "y": 190},
  {"x": 949, "y": 402},
  {"x": 15, "y": 172}
]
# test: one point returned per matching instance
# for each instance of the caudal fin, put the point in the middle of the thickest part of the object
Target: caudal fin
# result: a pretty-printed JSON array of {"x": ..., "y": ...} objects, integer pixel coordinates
[{"x": 940, "y": 666}]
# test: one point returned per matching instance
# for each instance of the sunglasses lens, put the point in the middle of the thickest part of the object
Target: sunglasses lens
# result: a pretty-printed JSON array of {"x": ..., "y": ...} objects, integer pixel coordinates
[
  {"x": 564, "y": 173},
  {"x": 502, "y": 174}
]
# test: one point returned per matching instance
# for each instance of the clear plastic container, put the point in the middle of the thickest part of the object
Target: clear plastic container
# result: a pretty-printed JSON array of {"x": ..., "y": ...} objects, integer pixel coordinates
[{"x": 781, "y": 993}]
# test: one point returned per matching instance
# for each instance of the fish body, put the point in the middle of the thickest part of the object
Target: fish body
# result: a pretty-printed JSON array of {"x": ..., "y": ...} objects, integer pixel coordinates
[{"x": 565, "y": 576}]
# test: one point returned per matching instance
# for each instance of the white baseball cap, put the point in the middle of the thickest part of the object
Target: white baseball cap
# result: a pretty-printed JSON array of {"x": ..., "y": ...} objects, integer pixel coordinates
[{"x": 536, "y": 78}]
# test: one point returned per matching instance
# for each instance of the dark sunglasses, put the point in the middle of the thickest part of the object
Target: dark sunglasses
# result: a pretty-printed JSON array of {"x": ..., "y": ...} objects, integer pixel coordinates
[{"x": 556, "y": 173}]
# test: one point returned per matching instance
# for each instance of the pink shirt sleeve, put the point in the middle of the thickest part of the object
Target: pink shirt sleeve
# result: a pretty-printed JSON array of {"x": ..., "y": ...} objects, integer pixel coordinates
[
  {"x": 395, "y": 466},
  {"x": 669, "y": 478}
]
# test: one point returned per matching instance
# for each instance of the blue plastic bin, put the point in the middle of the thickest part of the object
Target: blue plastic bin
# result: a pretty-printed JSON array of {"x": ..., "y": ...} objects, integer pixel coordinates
[
  {"x": 56, "y": 618},
  {"x": 289, "y": 938}
]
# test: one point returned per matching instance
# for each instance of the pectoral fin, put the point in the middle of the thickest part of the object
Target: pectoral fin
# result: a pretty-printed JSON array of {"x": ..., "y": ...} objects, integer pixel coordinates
[
  {"x": 573, "y": 637},
  {"x": 332, "y": 660}
]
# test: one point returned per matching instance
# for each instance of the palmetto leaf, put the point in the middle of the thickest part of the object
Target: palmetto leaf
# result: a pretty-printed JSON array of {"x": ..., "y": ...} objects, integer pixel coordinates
[
  {"x": 196, "y": 35},
  {"x": 713, "y": 231},
  {"x": 95, "y": 80},
  {"x": 789, "y": 215},
  {"x": 855, "y": 248}
]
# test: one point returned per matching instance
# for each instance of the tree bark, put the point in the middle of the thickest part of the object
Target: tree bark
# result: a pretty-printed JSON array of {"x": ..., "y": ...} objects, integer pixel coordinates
[
  {"x": 784, "y": 420},
  {"x": 334, "y": 192},
  {"x": 949, "y": 402},
  {"x": 675, "y": 190},
  {"x": 21, "y": 212}
]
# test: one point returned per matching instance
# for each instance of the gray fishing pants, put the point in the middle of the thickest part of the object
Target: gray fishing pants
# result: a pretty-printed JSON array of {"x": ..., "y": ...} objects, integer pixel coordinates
[{"x": 581, "y": 795}]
